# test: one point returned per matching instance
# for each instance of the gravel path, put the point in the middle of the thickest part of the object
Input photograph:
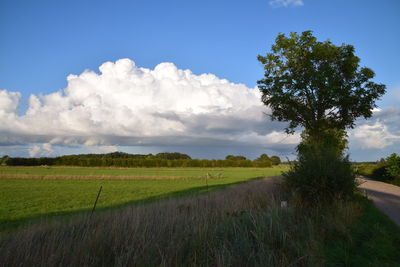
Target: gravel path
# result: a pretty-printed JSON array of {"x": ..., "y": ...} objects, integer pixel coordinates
[{"x": 386, "y": 197}]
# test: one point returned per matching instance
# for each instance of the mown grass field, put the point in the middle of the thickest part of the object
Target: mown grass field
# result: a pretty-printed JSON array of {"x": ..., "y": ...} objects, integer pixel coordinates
[{"x": 29, "y": 194}]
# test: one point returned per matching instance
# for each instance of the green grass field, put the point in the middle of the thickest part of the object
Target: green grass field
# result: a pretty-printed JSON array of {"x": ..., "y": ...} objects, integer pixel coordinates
[
  {"x": 244, "y": 225},
  {"x": 69, "y": 190},
  {"x": 138, "y": 172}
]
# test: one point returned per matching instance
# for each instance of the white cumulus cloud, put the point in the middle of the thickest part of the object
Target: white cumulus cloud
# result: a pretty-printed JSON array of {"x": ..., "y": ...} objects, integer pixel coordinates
[
  {"x": 374, "y": 136},
  {"x": 34, "y": 150},
  {"x": 380, "y": 131},
  {"x": 42, "y": 150},
  {"x": 8, "y": 104},
  {"x": 128, "y": 105}
]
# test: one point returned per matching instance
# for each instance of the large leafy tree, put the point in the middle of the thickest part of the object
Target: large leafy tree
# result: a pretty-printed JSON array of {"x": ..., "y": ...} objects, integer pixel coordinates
[
  {"x": 322, "y": 88},
  {"x": 316, "y": 85}
]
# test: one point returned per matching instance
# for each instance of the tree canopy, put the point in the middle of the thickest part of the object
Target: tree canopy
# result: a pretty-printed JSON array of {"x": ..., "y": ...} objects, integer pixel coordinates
[
  {"x": 275, "y": 160},
  {"x": 232, "y": 157},
  {"x": 316, "y": 85},
  {"x": 263, "y": 157}
]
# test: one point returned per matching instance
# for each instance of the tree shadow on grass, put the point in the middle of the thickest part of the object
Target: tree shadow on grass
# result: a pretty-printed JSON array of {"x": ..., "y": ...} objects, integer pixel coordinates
[{"x": 10, "y": 226}]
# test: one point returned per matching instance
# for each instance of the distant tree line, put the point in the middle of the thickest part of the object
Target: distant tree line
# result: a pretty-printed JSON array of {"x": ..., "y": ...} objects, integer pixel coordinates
[{"x": 121, "y": 159}]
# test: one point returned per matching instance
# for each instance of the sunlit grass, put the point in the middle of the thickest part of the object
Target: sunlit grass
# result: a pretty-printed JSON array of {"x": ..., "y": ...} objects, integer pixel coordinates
[{"x": 24, "y": 199}]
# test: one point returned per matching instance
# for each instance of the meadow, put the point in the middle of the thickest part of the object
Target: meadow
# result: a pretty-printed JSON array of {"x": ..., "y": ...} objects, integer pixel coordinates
[
  {"x": 242, "y": 225},
  {"x": 32, "y": 194}
]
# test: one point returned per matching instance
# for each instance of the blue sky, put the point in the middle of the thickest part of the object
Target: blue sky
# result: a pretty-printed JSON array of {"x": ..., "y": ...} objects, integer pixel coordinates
[{"x": 45, "y": 41}]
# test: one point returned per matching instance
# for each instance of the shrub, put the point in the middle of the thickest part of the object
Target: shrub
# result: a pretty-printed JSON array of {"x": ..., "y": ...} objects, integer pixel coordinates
[
  {"x": 320, "y": 176},
  {"x": 322, "y": 171},
  {"x": 393, "y": 165},
  {"x": 386, "y": 170},
  {"x": 380, "y": 173}
]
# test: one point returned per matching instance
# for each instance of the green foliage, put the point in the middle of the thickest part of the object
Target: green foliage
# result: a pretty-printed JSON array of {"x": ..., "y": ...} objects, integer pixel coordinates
[
  {"x": 125, "y": 160},
  {"x": 322, "y": 171},
  {"x": 275, "y": 160},
  {"x": 332, "y": 140},
  {"x": 320, "y": 176},
  {"x": 263, "y": 160},
  {"x": 316, "y": 85},
  {"x": 174, "y": 155},
  {"x": 263, "y": 157},
  {"x": 268, "y": 161},
  {"x": 321, "y": 87},
  {"x": 393, "y": 165},
  {"x": 386, "y": 170},
  {"x": 4, "y": 160},
  {"x": 232, "y": 157}
]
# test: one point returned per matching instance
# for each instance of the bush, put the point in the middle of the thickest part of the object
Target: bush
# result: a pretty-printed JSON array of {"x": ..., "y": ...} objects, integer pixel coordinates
[
  {"x": 322, "y": 172},
  {"x": 320, "y": 176},
  {"x": 379, "y": 173},
  {"x": 393, "y": 165},
  {"x": 386, "y": 170}
]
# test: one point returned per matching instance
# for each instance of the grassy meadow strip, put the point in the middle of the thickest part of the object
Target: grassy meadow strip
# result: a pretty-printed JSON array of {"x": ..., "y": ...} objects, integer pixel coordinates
[
  {"x": 25, "y": 201},
  {"x": 89, "y": 177},
  {"x": 233, "y": 172},
  {"x": 240, "y": 226},
  {"x": 372, "y": 240}
]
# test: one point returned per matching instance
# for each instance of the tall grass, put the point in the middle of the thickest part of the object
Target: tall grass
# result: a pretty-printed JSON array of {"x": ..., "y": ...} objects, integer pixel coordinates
[{"x": 244, "y": 226}]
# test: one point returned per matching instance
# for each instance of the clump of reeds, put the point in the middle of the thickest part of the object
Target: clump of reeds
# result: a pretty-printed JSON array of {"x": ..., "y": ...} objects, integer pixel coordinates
[{"x": 241, "y": 226}]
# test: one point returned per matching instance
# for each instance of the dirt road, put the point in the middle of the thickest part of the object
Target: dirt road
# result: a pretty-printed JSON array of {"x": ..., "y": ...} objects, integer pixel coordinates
[{"x": 385, "y": 196}]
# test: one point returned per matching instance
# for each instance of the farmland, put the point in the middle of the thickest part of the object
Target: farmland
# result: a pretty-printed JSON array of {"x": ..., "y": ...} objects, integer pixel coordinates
[
  {"x": 240, "y": 225},
  {"x": 29, "y": 194},
  {"x": 51, "y": 205}
]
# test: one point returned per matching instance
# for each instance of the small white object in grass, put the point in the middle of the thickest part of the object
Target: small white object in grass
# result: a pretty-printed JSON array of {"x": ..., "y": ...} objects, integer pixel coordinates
[
  {"x": 283, "y": 204},
  {"x": 365, "y": 192}
]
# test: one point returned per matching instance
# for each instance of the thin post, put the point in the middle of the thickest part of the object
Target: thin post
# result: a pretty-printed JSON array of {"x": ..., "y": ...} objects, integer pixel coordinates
[
  {"x": 207, "y": 180},
  {"x": 95, "y": 203}
]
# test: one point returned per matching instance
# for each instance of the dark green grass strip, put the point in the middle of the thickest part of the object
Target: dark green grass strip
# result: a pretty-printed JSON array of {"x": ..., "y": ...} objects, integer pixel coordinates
[{"x": 373, "y": 240}]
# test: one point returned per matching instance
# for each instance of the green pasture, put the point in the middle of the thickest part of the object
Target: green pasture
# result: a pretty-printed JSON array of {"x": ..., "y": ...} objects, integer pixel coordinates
[
  {"x": 233, "y": 172},
  {"x": 30, "y": 200}
]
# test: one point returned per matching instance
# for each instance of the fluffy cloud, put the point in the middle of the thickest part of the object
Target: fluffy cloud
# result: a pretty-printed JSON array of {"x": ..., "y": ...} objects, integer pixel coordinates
[
  {"x": 43, "y": 150},
  {"x": 374, "y": 136},
  {"x": 8, "y": 104},
  {"x": 128, "y": 105},
  {"x": 286, "y": 3},
  {"x": 124, "y": 105},
  {"x": 380, "y": 131}
]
